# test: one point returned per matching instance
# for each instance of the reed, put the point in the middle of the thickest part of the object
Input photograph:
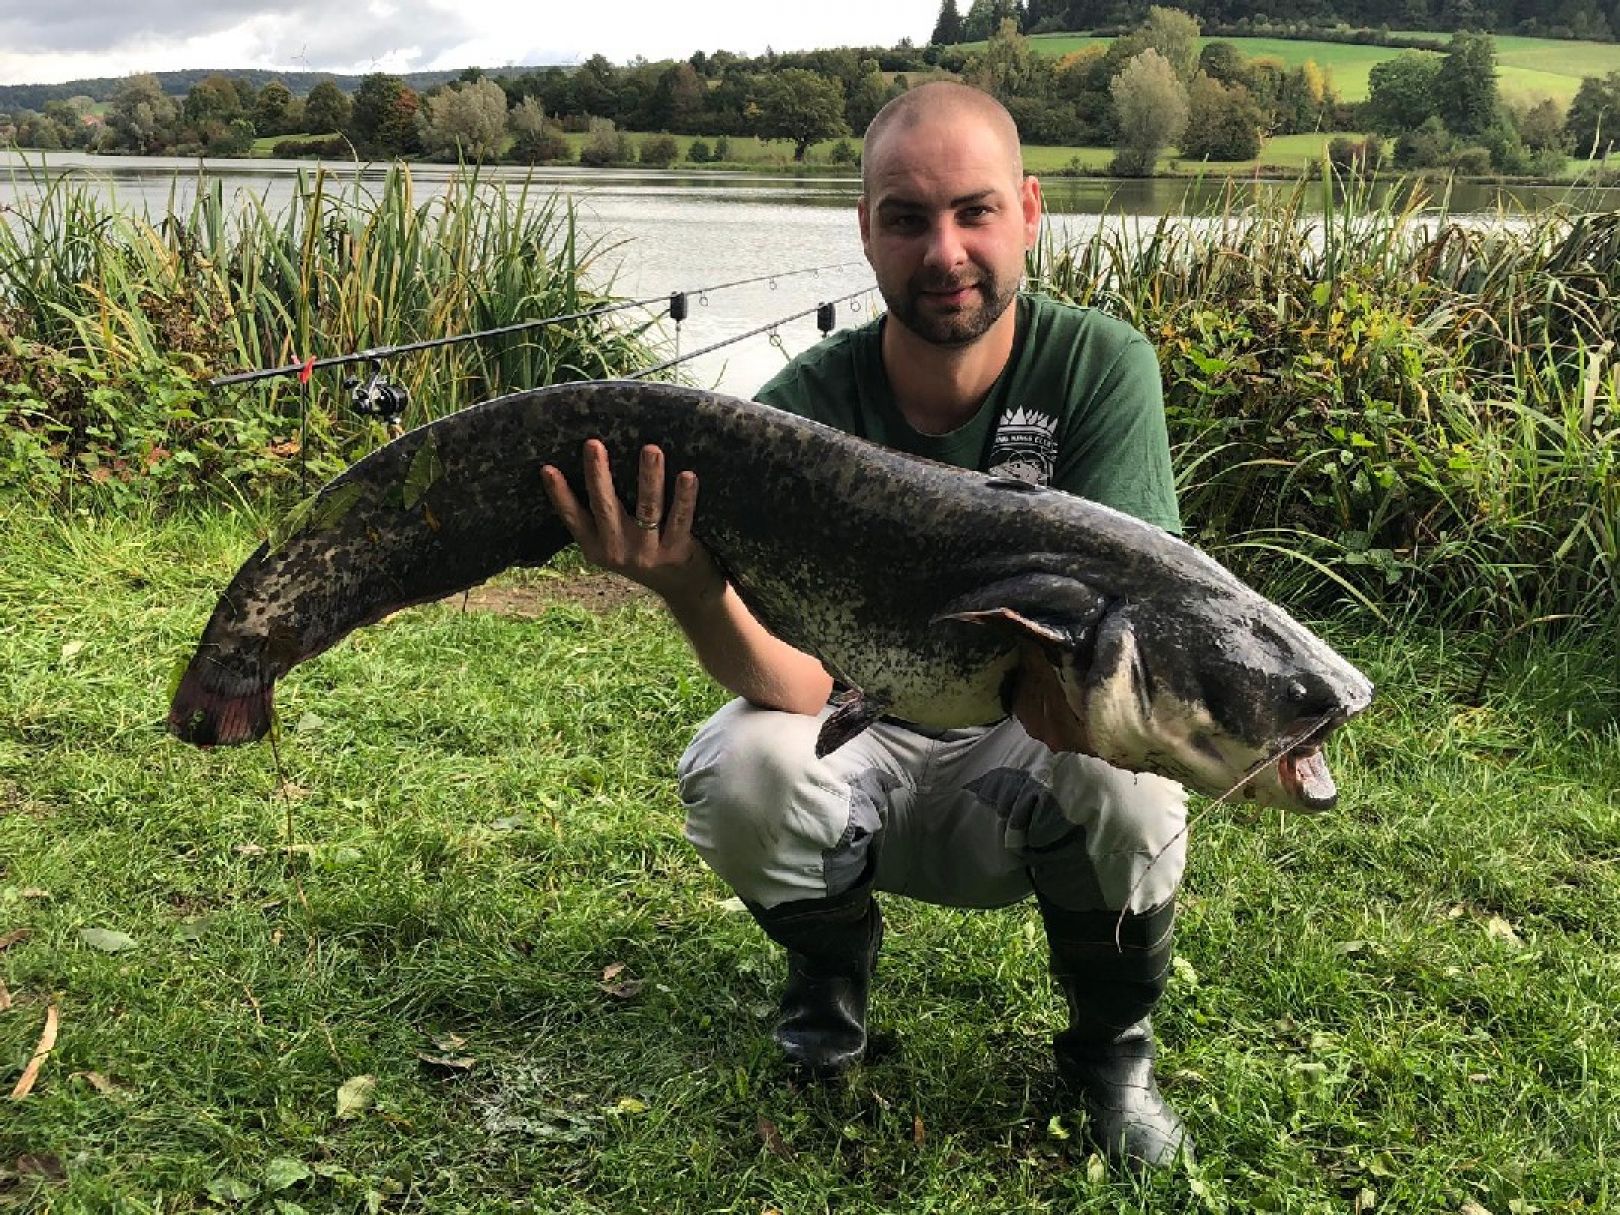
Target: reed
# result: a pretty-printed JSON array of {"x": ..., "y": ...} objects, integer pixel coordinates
[
  {"x": 1372, "y": 397},
  {"x": 98, "y": 303}
]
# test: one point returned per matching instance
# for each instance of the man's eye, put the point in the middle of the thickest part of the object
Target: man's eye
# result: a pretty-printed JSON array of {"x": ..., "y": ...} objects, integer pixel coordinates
[
  {"x": 905, "y": 223},
  {"x": 977, "y": 214}
]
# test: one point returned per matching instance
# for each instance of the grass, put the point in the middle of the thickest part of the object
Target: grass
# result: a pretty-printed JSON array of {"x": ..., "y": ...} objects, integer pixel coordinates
[
  {"x": 1533, "y": 67},
  {"x": 1414, "y": 995}
]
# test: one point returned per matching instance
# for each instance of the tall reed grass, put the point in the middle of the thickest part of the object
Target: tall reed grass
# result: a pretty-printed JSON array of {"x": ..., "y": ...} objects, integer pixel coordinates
[
  {"x": 109, "y": 320},
  {"x": 1373, "y": 397}
]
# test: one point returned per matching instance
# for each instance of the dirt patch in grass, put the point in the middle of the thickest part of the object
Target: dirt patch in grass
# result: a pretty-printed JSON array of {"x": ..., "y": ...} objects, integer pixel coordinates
[{"x": 594, "y": 589}]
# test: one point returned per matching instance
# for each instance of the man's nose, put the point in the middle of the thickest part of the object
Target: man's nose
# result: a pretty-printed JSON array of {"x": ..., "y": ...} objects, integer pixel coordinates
[{"x": 945, "y": 248}]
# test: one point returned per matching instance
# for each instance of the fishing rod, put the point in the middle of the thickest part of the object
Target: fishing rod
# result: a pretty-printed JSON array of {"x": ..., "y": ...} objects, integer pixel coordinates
[
  {"x": 675, "y": 303},
  {"x": 825, "y": 313}
]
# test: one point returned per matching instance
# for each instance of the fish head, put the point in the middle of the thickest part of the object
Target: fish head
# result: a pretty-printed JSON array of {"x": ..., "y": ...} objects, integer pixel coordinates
[{"x": 1227, "y": 694}]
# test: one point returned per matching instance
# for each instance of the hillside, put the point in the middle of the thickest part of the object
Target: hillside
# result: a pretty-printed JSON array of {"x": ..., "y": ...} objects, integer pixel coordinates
[{"x": 1534, "y": 67}]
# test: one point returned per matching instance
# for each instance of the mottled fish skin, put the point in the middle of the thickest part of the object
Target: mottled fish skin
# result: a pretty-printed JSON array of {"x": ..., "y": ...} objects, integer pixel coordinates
[{"x": 847, "y": 550}]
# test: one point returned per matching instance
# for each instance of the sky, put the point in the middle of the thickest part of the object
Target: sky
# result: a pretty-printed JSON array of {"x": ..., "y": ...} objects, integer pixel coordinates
[{"x": 50, "y": 41}]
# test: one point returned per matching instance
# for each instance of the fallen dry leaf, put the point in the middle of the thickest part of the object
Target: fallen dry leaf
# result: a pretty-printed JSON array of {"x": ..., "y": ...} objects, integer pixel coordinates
[
  {"x": 1504, "y": 932},
  {"x": 354, "y": 1096},
  {"x": 612, "y": 971},
  {"x": 12, "y": 937},
  {"x": 627, "y": 990},
  {"x": 47, "y": 1043},
  {"x": 5, "y": 998},
  {"x": 774, "y": 1143},
  {"x": 1472, "y": 1208},
  {"x": 96, "y": 1081},
  {"x": 34, "y": 892},
  {"x": 40, "y": 1164},
  {"x": 449, "y": 1063},
  {"x": 919, "y": 1135}
]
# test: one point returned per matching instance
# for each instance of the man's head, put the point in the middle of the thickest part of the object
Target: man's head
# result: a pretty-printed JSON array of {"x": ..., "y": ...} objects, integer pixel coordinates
[{"x": 946, "y": 211}]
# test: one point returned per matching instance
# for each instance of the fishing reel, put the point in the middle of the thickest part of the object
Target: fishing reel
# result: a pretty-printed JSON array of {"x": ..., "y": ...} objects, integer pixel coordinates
[{"x": 379, "y": 397}]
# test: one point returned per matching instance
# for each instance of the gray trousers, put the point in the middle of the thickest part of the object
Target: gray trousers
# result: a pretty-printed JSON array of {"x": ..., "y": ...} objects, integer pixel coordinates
[{"x": 963, "y": 818}]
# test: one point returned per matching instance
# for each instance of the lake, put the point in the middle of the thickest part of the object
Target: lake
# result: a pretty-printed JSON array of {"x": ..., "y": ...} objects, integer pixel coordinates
[{"x": 681, "y": 231}]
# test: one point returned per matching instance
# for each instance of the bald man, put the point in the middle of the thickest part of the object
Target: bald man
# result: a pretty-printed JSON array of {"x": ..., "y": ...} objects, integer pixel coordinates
[{"x": 962, "y": 368}]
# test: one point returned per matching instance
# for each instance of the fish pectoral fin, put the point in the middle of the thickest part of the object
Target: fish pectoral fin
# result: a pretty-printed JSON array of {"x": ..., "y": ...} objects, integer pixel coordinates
[
  {"x": 1049, "y": 609},
  {"x": 854, "y": 713}
]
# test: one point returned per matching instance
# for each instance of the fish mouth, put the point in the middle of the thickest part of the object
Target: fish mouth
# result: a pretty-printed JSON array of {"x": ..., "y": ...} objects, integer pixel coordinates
[{"x": 1303, "y": 772}]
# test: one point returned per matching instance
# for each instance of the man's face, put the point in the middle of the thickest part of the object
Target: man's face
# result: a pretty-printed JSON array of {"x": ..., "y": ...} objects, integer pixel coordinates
[{"x": 946, "y": 220}]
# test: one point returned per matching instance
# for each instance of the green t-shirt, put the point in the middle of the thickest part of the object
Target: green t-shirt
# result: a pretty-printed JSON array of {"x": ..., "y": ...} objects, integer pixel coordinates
[{"x": 1081, "y": 397}]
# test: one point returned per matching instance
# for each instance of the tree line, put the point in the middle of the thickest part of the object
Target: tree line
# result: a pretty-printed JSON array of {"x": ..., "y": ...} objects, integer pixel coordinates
[
  {"x": 1596, "y": 20},
  {"x": 1150, "y": 88}
]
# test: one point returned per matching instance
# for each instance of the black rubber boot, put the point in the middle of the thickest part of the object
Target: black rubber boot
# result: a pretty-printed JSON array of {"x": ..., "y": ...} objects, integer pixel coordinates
[
  {"x": 832, "y": 946},
  {"x": 1105, "y": 1057}
]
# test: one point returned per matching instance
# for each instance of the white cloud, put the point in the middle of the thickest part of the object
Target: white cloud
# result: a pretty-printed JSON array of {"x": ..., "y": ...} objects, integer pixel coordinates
[{"x": 116, "y": 37}]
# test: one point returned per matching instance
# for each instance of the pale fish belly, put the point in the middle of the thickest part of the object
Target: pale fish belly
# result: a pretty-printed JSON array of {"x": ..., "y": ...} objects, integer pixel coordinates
[{"x": 941, "y": 693}]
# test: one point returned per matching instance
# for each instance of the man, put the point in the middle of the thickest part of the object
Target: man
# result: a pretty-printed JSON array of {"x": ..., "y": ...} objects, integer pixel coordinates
[{"x": 966, "y": 370}]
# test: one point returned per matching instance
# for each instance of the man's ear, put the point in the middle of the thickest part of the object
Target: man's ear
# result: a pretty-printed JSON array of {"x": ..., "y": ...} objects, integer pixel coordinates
[
  {"x": 1029, "y": 196},
  {"x": 865, "y": 216}
]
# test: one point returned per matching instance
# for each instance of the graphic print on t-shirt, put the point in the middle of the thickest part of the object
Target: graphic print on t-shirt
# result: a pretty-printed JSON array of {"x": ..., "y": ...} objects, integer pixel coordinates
[{"x": 1025, "y": 446}]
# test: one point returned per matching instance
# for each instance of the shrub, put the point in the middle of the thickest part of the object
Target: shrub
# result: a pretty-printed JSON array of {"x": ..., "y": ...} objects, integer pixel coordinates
[
  {"x": 843, "y": 153},
  {"x": 722, "y": 148},
  {"x": 699, "y": 152},
  {"x": 660, "y": 151},
  {"x": 328, "y": 148},
  {"x": 606, "y": 146}
]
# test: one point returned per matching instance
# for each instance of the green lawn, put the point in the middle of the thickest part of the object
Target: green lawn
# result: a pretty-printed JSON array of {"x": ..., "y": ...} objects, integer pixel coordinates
[
  {"x": 1406, "y": 1005},
  {"x": 1535, "y": 67}
]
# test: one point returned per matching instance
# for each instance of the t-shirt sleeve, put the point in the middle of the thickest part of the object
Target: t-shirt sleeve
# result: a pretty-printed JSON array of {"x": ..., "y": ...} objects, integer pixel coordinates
[{"x": 1117, "y": 449}]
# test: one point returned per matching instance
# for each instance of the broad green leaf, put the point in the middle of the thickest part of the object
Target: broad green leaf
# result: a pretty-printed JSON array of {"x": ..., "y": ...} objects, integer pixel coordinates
[
  {"x": 106, "y": 940},
  {"x": 232, "y": 1189},
  {"x": 284, "y": 1172}
]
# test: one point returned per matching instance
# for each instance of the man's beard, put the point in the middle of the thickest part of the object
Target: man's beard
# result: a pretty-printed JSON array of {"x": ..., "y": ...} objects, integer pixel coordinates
[{"x": 958, "y": 327}]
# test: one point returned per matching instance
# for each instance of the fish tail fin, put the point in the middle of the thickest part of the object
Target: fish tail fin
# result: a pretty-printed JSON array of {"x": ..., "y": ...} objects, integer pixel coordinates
[{"x": 215, "y": 706}]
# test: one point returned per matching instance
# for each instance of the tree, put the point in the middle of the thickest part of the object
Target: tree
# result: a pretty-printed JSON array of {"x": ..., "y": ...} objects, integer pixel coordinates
[
  {"x": 1224, "y": 62},
  {"x": 1540, "y": 125},
  {"x": 214, "y": 99},
  {"x": 798, "y": 104},
  {"x": 984, "y": 18},
  {"x": 326, "y": 109},
  {"x": 373, "y": 107},
  {"x": 948, "y": 26},
  {"x": 535, "y": 138},
  {"x": 1401, "y": 92},
  {"x": 270, "y": 109},
  {"x": 867, "y": 96},
  {"x": 1150, "y": 110},
  {"x": 1174, "y": 34},
  {"x": 1593, "y": 124},
  {"x": 594, "y": 88},
  {"x": 140, "y": 117},
  {"x": 1009, "y": 67},
  {"x": 1465, "y": 86},
  {"x": 1223, "y": 121},
  {"x": 467, "y": 120}
]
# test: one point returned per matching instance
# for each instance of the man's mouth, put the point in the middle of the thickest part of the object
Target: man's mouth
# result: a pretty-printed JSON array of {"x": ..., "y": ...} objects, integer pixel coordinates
[{"x": 950, "y": 297}]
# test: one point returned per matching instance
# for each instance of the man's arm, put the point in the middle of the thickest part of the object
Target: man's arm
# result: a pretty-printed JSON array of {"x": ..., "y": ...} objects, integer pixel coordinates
[{"x": 664, "y": 556}]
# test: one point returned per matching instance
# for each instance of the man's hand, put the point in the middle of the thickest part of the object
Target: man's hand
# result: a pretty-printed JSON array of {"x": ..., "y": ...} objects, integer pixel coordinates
[
  {"x": 657, "y": 551},
  {"x": 1041, "y": 707}
]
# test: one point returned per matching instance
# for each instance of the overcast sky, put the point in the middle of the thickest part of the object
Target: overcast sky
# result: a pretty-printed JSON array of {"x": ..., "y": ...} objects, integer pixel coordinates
[{"x": 46, "y": 41}]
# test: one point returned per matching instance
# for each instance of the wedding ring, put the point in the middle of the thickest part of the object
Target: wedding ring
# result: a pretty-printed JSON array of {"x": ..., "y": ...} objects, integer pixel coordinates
[{"x": 648, "y": 527}]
